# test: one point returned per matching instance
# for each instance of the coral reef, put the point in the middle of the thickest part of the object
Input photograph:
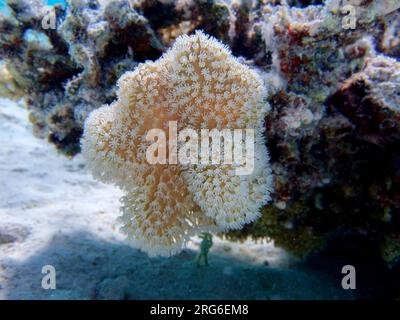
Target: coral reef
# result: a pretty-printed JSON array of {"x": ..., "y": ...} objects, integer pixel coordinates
[
  {"x": 197, "y": 84},
  {"x": 9, "y": 86},
  {"x": 333, "y": 128}
]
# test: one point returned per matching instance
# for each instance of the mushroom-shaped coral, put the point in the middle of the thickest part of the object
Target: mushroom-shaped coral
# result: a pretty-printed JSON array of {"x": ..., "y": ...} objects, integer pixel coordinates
[{"x": 196, "y": 84}]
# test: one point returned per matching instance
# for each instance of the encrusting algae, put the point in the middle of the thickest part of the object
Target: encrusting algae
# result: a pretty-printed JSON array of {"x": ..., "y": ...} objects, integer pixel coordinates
[{"x": 197, "y": 84}]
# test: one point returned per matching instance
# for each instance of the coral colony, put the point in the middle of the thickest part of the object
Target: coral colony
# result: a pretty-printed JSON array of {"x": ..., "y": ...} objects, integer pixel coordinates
[
  {"x": 196, "y": 84},
  {"x": 317, "y": 82}
]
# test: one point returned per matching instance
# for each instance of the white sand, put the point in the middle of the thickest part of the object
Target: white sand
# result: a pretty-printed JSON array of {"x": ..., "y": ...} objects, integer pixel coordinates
[{"x": 52, "y": 212}]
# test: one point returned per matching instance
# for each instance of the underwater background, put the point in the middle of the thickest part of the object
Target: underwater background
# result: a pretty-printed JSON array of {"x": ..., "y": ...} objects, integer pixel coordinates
[
  {"x": 332, "y": 131},
  {"x": 3, "y": 5}
]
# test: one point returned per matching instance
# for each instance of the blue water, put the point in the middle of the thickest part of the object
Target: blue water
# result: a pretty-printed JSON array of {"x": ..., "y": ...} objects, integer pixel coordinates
[{"x": 52, "y": 2}]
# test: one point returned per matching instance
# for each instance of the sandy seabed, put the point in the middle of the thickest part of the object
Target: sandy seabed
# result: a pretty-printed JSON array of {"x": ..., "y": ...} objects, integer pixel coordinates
[{"x": 52, "y": 212}]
